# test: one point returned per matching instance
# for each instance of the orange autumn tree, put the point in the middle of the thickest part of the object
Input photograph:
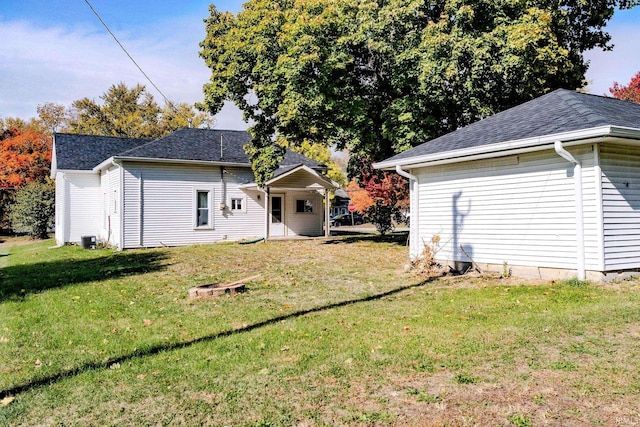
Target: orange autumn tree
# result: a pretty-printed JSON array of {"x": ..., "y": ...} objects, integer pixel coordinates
[
  {"x": 382, "y": 197},
  {"x": 25, "y": 156},
  {"x": 631, "y": 92}
]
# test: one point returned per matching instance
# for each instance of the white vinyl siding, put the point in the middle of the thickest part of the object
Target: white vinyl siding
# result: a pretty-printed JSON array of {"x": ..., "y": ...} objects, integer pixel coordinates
[
  {"x": 519, "y": 210},
  {"x": 308, "y": 223},
  {"x": 61, "y": 227},
  {"x": 621, "y": 206},
  {"x": 77, "y": 206},
  {"x": 110, "y": 208},
  {"x": 160, "y": 205}
]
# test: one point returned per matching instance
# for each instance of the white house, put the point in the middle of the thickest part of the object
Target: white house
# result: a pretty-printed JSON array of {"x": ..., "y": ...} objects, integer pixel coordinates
[
  {"x": 550, "y": 188},
  {"x": 192, "y": 186}
]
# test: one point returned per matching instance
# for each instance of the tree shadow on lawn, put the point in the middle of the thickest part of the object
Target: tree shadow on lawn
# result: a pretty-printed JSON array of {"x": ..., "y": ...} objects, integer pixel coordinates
[
  {"x": 397, "y": 237},
  {"x": 152, "y": 350},
  {"x": 17, "y": 281}
]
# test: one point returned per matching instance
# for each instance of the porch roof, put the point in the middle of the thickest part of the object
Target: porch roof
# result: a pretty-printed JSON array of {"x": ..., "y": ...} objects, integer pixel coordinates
[{"x": 296, "y": 177}]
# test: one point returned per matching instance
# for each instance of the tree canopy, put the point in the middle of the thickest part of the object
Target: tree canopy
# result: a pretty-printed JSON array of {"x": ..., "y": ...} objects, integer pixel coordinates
[
  {"x": 131, "y": 112},
  {"x": 25, "y": 156},
  {"x": 630, "y": 92},
  {"x": 379, "y": 76}
]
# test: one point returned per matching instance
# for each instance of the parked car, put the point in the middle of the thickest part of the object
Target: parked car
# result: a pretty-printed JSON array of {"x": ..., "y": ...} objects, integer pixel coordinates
[{"x": 345, "y": 219}]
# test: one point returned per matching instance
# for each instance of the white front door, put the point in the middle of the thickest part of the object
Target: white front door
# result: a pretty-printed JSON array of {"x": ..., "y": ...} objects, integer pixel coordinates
[{"x": 276, "y": 215}]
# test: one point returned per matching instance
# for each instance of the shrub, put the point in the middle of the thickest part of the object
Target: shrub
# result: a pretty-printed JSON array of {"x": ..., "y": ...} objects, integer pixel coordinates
[
  {"x": 34, "y": 209},
  {"x": 6, "y": 200},
  {"x": 382, "y": 215}
]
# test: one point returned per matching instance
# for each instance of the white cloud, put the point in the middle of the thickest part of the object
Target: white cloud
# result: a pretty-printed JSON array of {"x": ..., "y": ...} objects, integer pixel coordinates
[{"x": 60, "y": 65}]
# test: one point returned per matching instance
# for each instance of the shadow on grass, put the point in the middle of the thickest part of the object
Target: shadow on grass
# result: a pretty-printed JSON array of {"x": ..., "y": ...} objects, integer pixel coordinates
[
  {"x": 346, "y": 237},
  {"x": 17, "y": 281},
  {"x": 153, "y": 350}
]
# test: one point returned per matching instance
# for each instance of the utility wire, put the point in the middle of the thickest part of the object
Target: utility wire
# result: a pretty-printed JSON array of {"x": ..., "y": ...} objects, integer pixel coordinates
[{"x": 136, "y": 64}]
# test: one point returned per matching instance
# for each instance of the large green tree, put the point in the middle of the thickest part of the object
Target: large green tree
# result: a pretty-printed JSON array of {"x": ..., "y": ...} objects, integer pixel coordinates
[
  {"x": 379, "y": 76},
  {"x": 131, "y": 112}
]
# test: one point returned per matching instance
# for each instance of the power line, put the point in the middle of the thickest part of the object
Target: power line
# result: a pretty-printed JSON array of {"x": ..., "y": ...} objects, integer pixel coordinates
[{"x": 135, "y": 63}]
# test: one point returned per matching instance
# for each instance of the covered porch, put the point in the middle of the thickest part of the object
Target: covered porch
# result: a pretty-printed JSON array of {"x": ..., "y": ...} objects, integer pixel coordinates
[{"x": 296, "y": 202}]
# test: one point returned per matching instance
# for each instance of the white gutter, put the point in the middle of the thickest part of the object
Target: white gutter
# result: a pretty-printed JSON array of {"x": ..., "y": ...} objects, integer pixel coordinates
[
  {"x": 528, "y": 144},
  {"x": 577, "y": 181},
  {"x": 114, "y": 159},
  {"x": 77, "y": 172},
  {"x": 414, "y": 249}
]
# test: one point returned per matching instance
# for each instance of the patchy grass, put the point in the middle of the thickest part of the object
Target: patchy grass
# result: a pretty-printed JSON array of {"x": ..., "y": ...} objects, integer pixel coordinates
[{"x": 332, "y": 333}]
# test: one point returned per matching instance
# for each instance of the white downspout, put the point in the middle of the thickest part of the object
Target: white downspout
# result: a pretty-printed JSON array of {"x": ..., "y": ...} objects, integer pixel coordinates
[
  {"x": 414, "y": 249},
  {"x": 577, "y": 181}
]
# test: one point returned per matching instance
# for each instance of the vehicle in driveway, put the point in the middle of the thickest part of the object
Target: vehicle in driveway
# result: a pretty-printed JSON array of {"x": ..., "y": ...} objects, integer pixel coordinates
[{"x": 346, "y": 219}]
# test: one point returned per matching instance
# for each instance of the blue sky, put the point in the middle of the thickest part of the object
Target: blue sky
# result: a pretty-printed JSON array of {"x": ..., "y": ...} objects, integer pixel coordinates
[{"x": 57, "y": 51}]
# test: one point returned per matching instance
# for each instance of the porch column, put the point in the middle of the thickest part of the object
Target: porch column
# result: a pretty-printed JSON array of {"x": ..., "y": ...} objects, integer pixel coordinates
[
  {"x": 266, "y": 213},
  {"x": 327, "y": 211}
]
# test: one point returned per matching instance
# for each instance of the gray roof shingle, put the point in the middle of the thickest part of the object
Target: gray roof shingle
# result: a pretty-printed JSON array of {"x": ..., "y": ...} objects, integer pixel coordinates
[
  {"x": 556, "y": 112},
  {"x": 84, "y": 152}
]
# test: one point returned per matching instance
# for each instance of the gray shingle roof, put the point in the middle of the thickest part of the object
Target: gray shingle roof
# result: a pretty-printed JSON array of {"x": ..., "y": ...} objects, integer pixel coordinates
[
  {"x": 284, "y": 169},
  {"x": 556, "y": 112},
  {"x": 204, "y": 145},
  {"x": 84, "y": 152}
]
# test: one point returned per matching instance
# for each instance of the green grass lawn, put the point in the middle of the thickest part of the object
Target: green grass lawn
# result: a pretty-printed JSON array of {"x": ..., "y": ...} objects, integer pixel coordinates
[{"x": 331, "y": 333}]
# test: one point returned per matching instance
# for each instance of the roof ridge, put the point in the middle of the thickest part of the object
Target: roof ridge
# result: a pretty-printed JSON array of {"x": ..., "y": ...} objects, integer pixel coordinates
[
  {"x": 572, "y": 99},
  {"x": 100, "y": 136}
]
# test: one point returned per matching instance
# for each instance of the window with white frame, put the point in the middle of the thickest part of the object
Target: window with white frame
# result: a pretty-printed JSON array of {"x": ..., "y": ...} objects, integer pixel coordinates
[
  {"x": 203, "y": 211},
  {"x": 304, "y": 206},
  {"x": 237, "y": 204}
]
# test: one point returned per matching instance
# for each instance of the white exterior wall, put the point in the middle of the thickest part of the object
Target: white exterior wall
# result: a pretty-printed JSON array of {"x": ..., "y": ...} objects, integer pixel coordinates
[
  {"x": 77, "y": 206},
  {"x": 621, "y": 206},
  {"x": 159, "y": 203},
  {"x": 307, "y": 223},
  {"x": 60, "y": 215},
  {"x": 110, "y": 205},
  {"x": 517, "y": 209}
]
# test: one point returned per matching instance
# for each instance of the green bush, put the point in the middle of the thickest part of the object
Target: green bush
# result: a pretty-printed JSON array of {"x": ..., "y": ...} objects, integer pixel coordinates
[
  {"x": 383, "y": 215},
  {"x": 34, "y": 209},
  {"x": 6, "y": 200}
]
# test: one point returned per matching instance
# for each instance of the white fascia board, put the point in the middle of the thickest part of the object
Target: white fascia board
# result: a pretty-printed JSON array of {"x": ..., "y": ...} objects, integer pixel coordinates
[
  {"x": 84, "y": 171},
  {"x": 249, "y": 186},
  {"x": 511, "y": 147},
  {"x": 54, "y": 161},
  {"x": 117, "y": 159},
  {"x": 328, "y": 182},
  {"x": 104, "y": 164}
]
